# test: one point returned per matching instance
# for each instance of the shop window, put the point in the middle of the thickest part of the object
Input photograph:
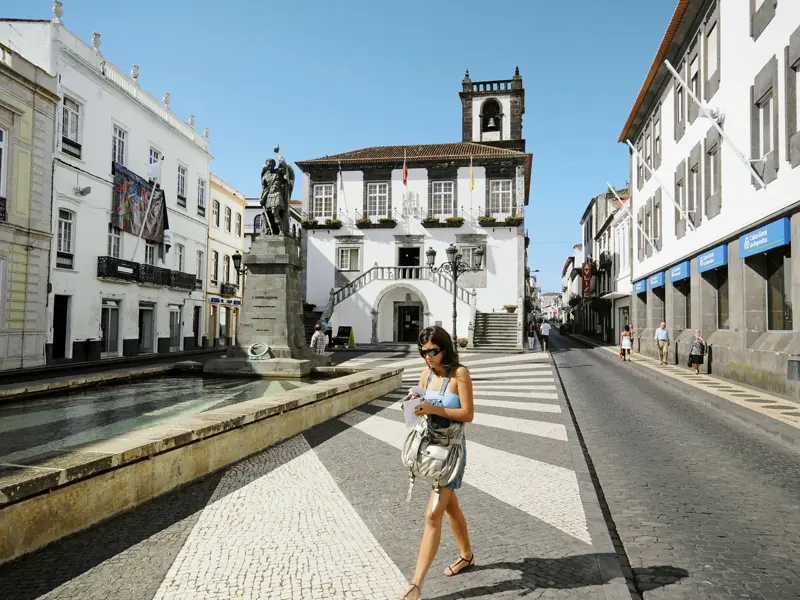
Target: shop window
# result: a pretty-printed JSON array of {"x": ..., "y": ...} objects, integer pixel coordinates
[
  {"x": 684, "y": 296},
  {"x": 778, "y": 269}
]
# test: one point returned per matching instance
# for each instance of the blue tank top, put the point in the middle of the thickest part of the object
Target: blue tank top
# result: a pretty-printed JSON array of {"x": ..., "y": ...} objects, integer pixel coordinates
[{"x": 441, "y": 398}]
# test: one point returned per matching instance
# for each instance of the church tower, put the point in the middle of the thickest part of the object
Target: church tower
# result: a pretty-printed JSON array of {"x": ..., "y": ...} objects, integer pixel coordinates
[{"x": 492, "y": 112}]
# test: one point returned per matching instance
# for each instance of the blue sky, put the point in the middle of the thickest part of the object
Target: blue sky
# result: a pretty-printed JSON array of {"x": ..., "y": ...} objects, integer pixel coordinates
[{"x": 322, "y": 77}]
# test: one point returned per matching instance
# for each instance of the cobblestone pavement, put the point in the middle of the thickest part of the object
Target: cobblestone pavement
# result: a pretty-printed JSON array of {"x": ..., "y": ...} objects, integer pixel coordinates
[
  {"x": 323, "y": 514},
  {"x": 686, "y": 486}
]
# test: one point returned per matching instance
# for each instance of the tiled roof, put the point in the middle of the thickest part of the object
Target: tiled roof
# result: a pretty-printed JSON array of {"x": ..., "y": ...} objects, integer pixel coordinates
[{"x": 380, "y": 154}]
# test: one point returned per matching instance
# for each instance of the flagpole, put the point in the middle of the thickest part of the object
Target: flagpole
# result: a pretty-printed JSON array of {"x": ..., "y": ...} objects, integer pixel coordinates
[{"x": 147, "y": 212}]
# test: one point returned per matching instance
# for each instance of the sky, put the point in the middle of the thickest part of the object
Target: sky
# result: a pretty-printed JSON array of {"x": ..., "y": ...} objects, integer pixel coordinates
[{"x": 321, "y": 77}]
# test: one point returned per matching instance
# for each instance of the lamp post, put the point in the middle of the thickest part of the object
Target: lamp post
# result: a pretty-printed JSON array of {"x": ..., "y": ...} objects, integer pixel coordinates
[
  {"x": 240, "y": 271},
  {"x": 455, "y": 266}
]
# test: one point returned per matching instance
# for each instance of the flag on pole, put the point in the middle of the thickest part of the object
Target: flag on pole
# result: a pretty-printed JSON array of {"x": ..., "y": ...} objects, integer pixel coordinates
[
  {"x": 341, "y": 178},
  {"x": 471, "y": 176},
  {"x": 405, "y": 171}
]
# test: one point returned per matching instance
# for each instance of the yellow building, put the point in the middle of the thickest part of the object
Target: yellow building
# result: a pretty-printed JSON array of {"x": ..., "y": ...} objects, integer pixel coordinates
[{"x": 225, "y": 238}]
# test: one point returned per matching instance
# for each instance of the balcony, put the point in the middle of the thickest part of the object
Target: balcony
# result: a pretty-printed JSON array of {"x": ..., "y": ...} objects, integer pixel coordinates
[
  {"x": 228, "y": 289},
  {"x": 152, "y": 275},
  {"x": 109, "y": 267},
  {"x": 182, "y": 281},
  {"x": 605, "y": 261}
]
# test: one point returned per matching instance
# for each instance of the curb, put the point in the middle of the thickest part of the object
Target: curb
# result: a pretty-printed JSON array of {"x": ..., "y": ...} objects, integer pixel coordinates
[
  {"x": 615, "y": 585},
  {"x": 781, "y": 432}
]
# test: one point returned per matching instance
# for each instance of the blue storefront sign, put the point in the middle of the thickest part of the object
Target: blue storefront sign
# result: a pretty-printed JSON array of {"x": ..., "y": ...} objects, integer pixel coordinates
[
  {"x": 640, "y": 287},
  {"x": 656, "y": 280},
  {"x": 680, "y": 271},
  {"x": 713, "y": 259},
  {"x": 215, "y": 300},
  {"x": 772, "y": 235}
]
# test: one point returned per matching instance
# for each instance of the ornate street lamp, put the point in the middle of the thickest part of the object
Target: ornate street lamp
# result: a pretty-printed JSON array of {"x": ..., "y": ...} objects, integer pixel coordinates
[
  {"x": 454, "y": 266},
  {"x": 237, "y": 263}
]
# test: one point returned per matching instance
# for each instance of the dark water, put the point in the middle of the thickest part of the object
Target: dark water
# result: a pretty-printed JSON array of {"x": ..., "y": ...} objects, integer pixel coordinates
[{"x": 42, "y": 425}]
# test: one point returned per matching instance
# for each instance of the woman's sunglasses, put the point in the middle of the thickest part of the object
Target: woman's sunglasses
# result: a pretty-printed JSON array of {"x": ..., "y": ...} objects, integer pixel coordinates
[{"x": 430, "y": 352}]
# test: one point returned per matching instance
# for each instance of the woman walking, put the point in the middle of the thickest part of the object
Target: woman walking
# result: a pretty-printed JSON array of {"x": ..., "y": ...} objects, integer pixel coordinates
[
  {"x": 532, "y": 335},
  {"x": 448, "y": 397},
  {"x": 625, "y": 343},
  {"x": 697, "y": 351}
]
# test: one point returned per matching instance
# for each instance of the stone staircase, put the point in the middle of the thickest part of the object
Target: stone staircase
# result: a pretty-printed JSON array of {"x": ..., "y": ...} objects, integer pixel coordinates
[
  {"x": 496, "y": 331},
  {"x": 310, "y": 318}
]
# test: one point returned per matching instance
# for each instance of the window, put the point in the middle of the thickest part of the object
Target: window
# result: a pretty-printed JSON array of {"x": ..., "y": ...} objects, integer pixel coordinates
[
  {"x": 181, "y": 186},
  {"x": 215, "y": 212},
  {"x": 228, "y": 219},
  {"x": 323, "y": 201},
  {"x": 640, "y": 164},
  {"x": 720, "y": 282},
  {"x": 765, "y": 124},
  {"x": 118, "y": 145},
  {"x": 214, "y": 266},
  {"x": 795, "y": 75},
  {"x": 684, "y": 297},
  {"x": 348, "y": 259},
  {"x": 761, "y": 14},
  {"x": 109, "y": 325},
  {"x": 114, "y": 241},
  {"x": 712, "y": 49},
  {"x": 713, "y": 170},
  {"x": 257, "y": 224},
  {"x": 657, "y": 220},
  {"x": 226, "y": 269},
  {"x": 3, "y": 169},
  {"x": 468, "y": 256},
  {"x": 377, "y": 200},
  {"x": 442, "y": 199},
  {"x": 64, "y": 243},
  {"x": 657, "y": 141},
  {"x": 500, "y": 198},
  {"x": 150, "y": 253},
  {"x": 155, "y": 156},
  {"x": 693, "y": 196},
  {"x": 694, "y": 77},
  {"x": 179, "y": 257},
  {"x": 201, "y": 197},
  {"x": 648, "y": 149},
  {"x": 238, "y": 225},
  {"x": 200, "y": 272},
  {"x": 779, "y": 289},
  {"x": 70, "y": 127}
]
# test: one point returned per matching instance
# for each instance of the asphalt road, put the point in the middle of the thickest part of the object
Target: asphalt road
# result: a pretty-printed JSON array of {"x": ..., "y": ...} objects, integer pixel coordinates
[{"x": 685, "y": 487}]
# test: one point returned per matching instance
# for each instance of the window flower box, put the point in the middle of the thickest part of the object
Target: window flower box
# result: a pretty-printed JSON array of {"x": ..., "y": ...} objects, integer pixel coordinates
[
  {"x": 432, "y": 223},
  {"x": 487, "y": 221},
  {"x": 514, "y": 221},
  {"x": 309, "y": 224},
  {"x": 332, "y": 224},
  {"x": 454, "y": 221},
  {"x": 511, "y": 308},
  {"x": 385, "y": 223},
  {"x": 364, "y": 223}
]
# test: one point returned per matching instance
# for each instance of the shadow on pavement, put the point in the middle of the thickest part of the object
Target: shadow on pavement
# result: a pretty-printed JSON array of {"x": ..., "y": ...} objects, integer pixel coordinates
[{"x": 565, "y": 573}]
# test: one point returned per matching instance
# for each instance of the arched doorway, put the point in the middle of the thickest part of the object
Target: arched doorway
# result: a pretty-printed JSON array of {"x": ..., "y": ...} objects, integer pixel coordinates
[{"x": 401, "y": 312}]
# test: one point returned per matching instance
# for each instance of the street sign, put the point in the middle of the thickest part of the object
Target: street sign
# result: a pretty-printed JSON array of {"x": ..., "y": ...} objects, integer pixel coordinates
[{"x": 586, "y": 280}]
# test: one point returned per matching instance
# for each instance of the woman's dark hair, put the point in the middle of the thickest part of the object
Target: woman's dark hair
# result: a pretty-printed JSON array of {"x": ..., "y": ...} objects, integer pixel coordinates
[
  {"x": 440, "y": 337},
  {"x": 628, "y": 328}
]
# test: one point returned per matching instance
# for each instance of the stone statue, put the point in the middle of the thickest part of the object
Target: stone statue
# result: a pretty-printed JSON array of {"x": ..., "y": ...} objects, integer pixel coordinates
[{"x": 277, "y": 182}]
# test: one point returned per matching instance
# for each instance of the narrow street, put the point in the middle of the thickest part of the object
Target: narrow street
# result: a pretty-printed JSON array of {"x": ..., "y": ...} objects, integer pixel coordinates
[{"x": 687, "y": 487}]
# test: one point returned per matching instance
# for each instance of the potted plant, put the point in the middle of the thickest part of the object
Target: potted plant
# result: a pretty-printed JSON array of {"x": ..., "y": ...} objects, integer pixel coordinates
[
  {"x": 309, "y": 224},
  {"x": 454, "y": 221},
  {"x": 387, "y": 223},
  {"x": 510, "y": 308},
  {"x": 333, "y": 223},
  {"x": 363, "y": 223},
  {"x": 431, "y": 222},
  {"x": 487, "y": 221},
  {"x": 462, "y": 342},
  {"x": 515, "y": 221}
]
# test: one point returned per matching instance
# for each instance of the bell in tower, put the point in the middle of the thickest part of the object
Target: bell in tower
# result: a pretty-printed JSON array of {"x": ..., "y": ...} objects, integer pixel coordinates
[{"x": 492, "y": 111}]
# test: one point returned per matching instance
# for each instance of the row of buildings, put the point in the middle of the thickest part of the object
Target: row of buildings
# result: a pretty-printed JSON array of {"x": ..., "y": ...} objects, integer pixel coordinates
[
  {"x": 82, "y": 275},
  {"x": 703, "y": 236}
]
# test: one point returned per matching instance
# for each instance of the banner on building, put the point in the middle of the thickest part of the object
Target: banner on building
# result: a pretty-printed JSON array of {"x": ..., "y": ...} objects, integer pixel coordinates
[
  {"x": 586, "y": 280},
  {"x": 129, "y": 203}
]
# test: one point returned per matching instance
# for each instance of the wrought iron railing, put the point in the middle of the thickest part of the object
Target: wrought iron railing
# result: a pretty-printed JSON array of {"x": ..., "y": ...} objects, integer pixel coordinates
[
  {"x": 116, "y": 268},
  {"x": 228, "y": 289},
  {"x": 153, "y": 275},
  {"x": 399, "y": 274},
  {"x": 181, "y": 280}
]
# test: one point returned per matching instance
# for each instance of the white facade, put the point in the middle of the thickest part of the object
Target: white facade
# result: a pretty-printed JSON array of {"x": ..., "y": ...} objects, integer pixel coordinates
[
  {"x": 226, "y": 221},
  {"x": 107, "y": 116},
  {"x": 394, "y": 283}
]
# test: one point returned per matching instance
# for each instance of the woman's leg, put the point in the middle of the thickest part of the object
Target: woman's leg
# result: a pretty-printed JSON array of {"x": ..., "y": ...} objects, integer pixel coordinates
[
  {"x": 459, "y": 526},
  {"x": 431, "y": 536}
]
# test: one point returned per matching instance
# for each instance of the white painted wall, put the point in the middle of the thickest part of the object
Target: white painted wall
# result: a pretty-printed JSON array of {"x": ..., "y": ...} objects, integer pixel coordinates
[
  {"x": 108, "y": 99},
  {"x": 741, "y": 59}
]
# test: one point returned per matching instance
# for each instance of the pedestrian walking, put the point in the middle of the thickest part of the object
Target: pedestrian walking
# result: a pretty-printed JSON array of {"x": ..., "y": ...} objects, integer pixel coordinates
[
  {"x": 625, "y": 344},
  {"x": 598, "y": 332},
  {"x": 448, "y": 399},
  {"x": 532, "y": 335},
  {"x": 662, "y": 343},
  {"x": 319, "y": 340},
  {"x": 544, "y": 330},
  {"x": 697, "y": 352}
]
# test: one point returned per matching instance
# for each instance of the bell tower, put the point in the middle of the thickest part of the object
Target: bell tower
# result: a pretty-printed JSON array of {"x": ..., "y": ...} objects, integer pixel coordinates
[{"x": 492, "y": 112}]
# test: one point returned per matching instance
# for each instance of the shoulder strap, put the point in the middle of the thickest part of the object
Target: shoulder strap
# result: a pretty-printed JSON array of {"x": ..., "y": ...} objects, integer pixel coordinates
[{"x": 430, "y": 376}]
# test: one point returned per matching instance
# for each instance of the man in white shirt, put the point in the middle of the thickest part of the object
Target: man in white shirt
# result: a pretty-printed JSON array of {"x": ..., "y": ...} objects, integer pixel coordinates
[
  {"x": 545, "y": 331},
  {"x": 662, "y": 343}
]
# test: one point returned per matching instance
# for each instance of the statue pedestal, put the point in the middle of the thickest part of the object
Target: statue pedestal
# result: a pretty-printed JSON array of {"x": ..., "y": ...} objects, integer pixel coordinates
[{"x": 271, "y": 340}]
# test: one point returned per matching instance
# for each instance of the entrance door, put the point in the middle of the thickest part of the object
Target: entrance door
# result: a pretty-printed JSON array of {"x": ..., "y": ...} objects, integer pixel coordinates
[
  {"x": 174, "y": 329},
  {"x": 408, "y": 324},
  {"x": 409, "y": 257},
  {"x": 60, "y": 323},
  {"x": 109, "y": 324},
  {"x": 198, "y": 340},
  {"x": 223, "y": 326},
  {"x": 146, "y": 322}
]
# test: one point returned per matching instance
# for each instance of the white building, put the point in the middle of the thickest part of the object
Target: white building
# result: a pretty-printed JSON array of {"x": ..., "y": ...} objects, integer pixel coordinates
[
  {"x": 621, "y": 270},
  {"x": 225, "y": 238},
  {"x": 368, "y": 230},
  {"x": 722, "y": 260},
  {"x": 28, "y": 103},
  {"x": 111, "y": 295}
]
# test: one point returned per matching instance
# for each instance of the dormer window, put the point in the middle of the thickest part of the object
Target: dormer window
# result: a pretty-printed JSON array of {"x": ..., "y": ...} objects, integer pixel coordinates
[{"x": 491, "y": 116}]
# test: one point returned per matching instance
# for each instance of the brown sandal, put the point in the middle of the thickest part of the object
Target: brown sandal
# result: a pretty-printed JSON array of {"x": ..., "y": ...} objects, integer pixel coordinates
[
  {"x": 410, "y": 590},
  {"x": 451, "y": 570}
]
